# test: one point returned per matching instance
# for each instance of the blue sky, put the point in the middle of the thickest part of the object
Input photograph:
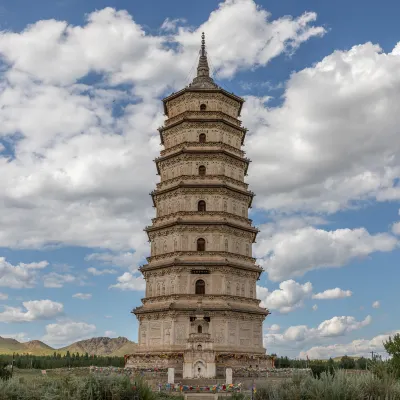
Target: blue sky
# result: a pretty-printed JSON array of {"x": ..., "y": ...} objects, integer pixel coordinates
[{"x": 80, "y": 90}]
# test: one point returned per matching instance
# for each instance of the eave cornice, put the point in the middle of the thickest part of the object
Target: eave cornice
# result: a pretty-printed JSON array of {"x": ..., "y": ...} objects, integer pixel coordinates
[
  {"x": 218, "y": 308},
  {"x": 201, "y": 264},
  {"x": 181, "y": 185},
  {"x": 223, "y": 214},
  {"x": 201, "y": 223}
]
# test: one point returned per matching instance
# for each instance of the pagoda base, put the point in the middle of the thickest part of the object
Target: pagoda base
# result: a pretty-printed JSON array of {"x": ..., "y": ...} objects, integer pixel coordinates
[{"x": 193, "y": 366}]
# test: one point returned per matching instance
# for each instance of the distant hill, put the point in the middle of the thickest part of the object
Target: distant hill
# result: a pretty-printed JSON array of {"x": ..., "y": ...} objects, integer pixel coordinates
[
  {"x": 100, "y": 346},
  {"x": 8, "y": 345}
]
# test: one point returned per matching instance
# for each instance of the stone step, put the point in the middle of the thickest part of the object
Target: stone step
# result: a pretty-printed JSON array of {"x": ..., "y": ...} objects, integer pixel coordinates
[{"x": 201, "y": 396}]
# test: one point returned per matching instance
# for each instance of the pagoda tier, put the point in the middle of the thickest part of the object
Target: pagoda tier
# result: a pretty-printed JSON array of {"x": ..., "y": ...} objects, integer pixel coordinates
[{"x": 201, "y": 272}]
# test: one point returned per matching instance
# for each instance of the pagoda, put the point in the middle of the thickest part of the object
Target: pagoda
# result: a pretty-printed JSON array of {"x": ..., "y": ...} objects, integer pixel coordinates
[{"x": 200, "y": 313}]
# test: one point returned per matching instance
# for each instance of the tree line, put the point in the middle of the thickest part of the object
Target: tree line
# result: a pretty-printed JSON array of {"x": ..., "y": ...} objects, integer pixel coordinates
[
  {"x": 344, "y": 363},
  {"x": 68, "y": 360}
]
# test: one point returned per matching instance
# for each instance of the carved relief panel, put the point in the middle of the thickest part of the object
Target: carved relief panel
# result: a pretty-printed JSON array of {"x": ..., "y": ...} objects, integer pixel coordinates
[
  {"x": 179, "y": 135},
  {"x": 190, "y": 202},
  {"x": 214, "y": 241},
  {"x": 173, "y": 168}
]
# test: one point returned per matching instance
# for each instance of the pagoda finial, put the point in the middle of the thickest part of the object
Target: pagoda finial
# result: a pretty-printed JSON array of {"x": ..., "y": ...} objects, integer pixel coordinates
[
  {"x": 203, "y": 45},
  {"x": 203, "y": 79},
  {"x": 202, "y": 68}
]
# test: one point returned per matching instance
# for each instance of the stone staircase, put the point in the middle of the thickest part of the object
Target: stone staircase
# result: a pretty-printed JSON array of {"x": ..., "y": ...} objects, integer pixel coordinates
[{"x": 201, "y": 396}]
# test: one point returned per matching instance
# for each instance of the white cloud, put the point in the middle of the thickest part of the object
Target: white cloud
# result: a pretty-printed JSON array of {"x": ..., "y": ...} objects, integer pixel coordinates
[
  {"x": 287, "y": 298},
  {"x": 98, "y": 272},
  {"x": 127, "y": 281},
  {"x": 305, "y": 148},
  {"x": 35, "y": 310},
  {"x": 301, "y": 335},
  {"x": 21, "y": 275},
  {"x": 66, "y": 159},
  {"x": 55, "y": 280},
  {"x": 108, "y": 316},
  {"x": 315, "y": 307},
  {"x": 396, "y": 228},
  {"x": 330, "y": 294},
  {"x": 64, "y": 333},
  {"x": 111, "y": 42},
  {"x": 170, "y": 25},
  {"x": 376, "y": 304},
  {"x": 274, "y": 328},
  {"x": 359, "y": 347},
  {"x": 3, "y": 296},
  {"x": 21, "y": 336},
  {"x": 82, "y": 296},
  {"x": 129, "y": 260},
  {"x": 110, "y": 333},
  {"x": 292, "y": 253}
]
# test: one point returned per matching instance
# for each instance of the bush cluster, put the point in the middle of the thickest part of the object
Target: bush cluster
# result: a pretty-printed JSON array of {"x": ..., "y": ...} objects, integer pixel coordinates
[
  {"x": 340, "y": 385},
  {"x": 91, "y": 387}
]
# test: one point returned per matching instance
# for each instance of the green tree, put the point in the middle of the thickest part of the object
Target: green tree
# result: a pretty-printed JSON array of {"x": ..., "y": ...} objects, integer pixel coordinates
[
  {"x": 361, "y": 363},
  {"x": 347, "y": 362},
  {"x": 392, "y": 346}
]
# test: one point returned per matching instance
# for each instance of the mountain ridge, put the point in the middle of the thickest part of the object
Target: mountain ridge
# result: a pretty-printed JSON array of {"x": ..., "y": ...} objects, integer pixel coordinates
[{"x": 99, "y": 346}]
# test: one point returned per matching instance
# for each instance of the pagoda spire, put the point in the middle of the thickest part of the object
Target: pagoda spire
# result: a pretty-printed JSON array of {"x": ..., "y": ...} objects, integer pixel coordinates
[
  {"x": 203, "y": 79},
  {"x": 202, "y": 68}
]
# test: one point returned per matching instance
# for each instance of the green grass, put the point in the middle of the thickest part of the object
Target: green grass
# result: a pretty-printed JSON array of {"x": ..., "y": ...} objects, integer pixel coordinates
[{"x": 79, "y": 384}]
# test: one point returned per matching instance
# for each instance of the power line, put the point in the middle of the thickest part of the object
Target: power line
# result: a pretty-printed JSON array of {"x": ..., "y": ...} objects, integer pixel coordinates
[
  {"x": 214, "y": 73},
  {"x": 189, "y": 75}
]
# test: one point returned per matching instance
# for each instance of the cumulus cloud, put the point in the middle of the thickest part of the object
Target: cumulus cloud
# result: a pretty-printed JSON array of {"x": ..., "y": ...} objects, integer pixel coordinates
[
  {"x": 97, "y": 272},
  {"x": 3, "y": 296},
  {"x": 287, "y": 298},
  {"x": 65, "y": 332},
  {"x": 129, "y": 260},
  {"x": 170, "y": 25},
  {"x": 21, "y": 275},
  {"x": 305, "y": 149},
  {"x": 396, "y": 228},
  {"x": 359, "y": 347},
  {"x": 301, "y": 335},
  {"x": 314, "y": 307},
  {"x": 55, "y": 280},
  {"x": 34, "y": 310},
  {"x": 128, "y": 281},
  {"x": 65, "y": 161},
  {"x": 20, "y": 336},
  {"x": 376, "y": 304},
  {"x": 330, "y": 294},
  {"x": 82, "y": 296},
  {"x": 292, "y": 253},
  {"x": 110, "y": 333},
  {"x": 274, "y": 328}
]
